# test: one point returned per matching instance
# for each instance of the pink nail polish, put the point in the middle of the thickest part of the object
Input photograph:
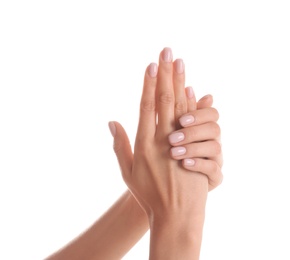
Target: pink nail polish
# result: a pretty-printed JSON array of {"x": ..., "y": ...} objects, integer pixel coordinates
[
  {"x": 167, "y": 55},
  {"x": 188, "y": 162},
  {"x": 179, "y": 66},
  {"x": 186, "y": 120},
  {"x": 189, "y": 92},
  {"x": 176, "y": 138},
  {"x": 176, "y": 151},
  {"x": 112, "y": 128},
  {"x": 152, "y": 70}
]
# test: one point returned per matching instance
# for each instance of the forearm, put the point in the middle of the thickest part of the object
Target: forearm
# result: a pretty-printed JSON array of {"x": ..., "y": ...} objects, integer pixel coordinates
[{"x": 111, "y": 236}]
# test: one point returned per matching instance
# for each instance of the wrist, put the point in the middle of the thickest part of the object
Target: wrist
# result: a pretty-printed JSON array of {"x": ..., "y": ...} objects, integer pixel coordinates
[
  {"x": 176, "y": 237},
  {"x": 136, "y": 212},
  {"x": 187, "y": 226}
]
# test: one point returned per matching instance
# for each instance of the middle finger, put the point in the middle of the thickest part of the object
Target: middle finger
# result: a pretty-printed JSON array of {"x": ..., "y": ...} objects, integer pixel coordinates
[{"x": 197, "y": 133}]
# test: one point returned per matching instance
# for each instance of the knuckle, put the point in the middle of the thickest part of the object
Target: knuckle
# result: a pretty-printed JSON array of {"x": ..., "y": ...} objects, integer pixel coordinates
[
  {"x": 220, "y": 161},
  {"x": 180, "y": 107},
  {"x": 215, "y": 128},
  {"x": 216, "y": 147},
  {"x": 214, "y": 168},
  {"x": 147, "y": 105},
  {"x": 221, "y": 178},
  {"x": 216, "y": 113},
  {"x": 142, "y": 149},
  {"x": 142, "y": 146},
  {"x": 166, "y": 98}
]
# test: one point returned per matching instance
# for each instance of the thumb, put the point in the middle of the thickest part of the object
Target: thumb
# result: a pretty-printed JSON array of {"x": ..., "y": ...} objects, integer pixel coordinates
[{"x": 122, "y": 148}]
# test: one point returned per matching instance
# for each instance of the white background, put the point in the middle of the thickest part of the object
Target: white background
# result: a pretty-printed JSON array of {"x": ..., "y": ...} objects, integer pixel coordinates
[{"x": 69, "y": 67}]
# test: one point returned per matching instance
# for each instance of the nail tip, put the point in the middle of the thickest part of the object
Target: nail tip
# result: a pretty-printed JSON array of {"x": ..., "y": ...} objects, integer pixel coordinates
[
  {"x": 112, "y": 128},
  {"x": 167, "y": 54}
]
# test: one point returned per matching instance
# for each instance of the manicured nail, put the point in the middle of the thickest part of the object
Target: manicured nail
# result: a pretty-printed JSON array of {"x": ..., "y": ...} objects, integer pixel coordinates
[
  {"x": 176, "y": 138},
  {"x": 152, "y": 70},
  {"x": 167, "y": 55},
  {"x": 112, "y": 128},
  {"x": 188, "y": 162},
  {"x": 186, "y": 120},
  {"x": 189, "y": 92},
  {"x": 179, "y": 66},
  {"x": 176, "y": 151}
]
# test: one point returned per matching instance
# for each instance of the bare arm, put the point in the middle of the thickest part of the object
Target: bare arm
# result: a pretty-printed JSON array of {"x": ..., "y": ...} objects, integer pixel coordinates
[
  {"x": 125, "y": 222},
  {"x": 111, "y": 236},
  {"x": 173, "y": 198}
]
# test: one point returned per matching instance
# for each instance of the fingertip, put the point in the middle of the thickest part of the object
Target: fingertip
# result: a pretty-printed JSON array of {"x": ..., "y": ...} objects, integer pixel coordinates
[
  {"x": 191, "y": 99},
  {"x": 207, "y": 98},
  {"x": 166, "y": 54},
  {"x": 205, "y": 101},
  {"x": 112, "y": 128},
  {"x": 152, "y": 70},
  {"x": 189, "y": 92},
  {"x": 147, "y": 118},
  {"x": 122, "y": 148},
  {"x": 179, "y": 66}
]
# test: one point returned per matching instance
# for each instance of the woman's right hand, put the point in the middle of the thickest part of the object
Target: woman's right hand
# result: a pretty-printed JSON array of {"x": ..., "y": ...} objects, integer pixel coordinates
[
  {"x": 173, "y": 198},
  {"x": 157, "y": 181}
]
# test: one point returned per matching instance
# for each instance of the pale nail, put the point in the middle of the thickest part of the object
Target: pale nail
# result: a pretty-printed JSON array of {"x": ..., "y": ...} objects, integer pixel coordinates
[
  {"x": 152, "y": 70},
  {"x": 176, "y": 137},
  {"x": 176, "y": 151},
  {"x": 112, "y": 128},
  {"x": 189, "y": 92},
  {"x": 188, "y": 162},
  {"x": 179, "y": 66},
  {"x": 167, "y": 55},
  {"x": 186, "y": 120}
]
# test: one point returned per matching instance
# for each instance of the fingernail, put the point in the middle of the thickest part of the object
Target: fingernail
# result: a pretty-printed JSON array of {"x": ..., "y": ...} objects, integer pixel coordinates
[
  {"x": 179, "y": 66},
  {"x": 176, "y": 137},
  {"x": 167, "y": 54},
  {"x": 186, "y": 120},
  {"x": 189, "y": 92},
  {"x": 152, "y": 70},
  {"x": 112, "y": 128},
  {"x": 188, "y": 162},
  {"x": 176, "y": 151}
]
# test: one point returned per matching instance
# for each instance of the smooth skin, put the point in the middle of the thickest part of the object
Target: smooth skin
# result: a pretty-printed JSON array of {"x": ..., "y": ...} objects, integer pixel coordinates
[
  {"x": 125, "y": 222},
  {"x": 173, "y": 199}
]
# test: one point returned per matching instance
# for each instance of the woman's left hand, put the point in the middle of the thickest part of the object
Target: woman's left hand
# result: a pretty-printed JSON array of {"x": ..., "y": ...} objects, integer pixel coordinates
[{"x": 198, "y": 144}]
